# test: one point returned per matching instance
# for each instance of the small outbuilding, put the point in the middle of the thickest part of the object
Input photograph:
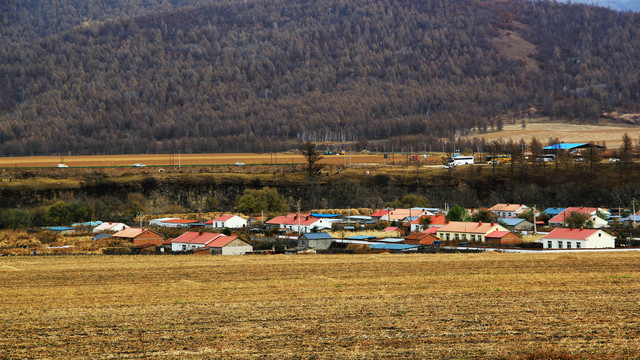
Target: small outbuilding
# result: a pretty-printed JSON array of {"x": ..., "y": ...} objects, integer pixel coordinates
[
  {"x": 420, "y": 238},
  {"x": 503, "y": 238},
  {"x": 139, "y": 236},
  {"x": 320, "y": 240}
]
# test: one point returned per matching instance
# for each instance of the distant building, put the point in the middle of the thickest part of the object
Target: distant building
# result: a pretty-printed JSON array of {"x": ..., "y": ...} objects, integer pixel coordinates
[
  {"x": 227, "y": 221},
  {"x": 303, "y": 223},
  {"x": 420, "y": 238},
  {"x": 516, "y": 224},
  {"x": 560, "y": 220},
  {"x": 503, "y": 238},
  {"x": 507, "y": 210},
  {"x": 62, "y": 229},
  {"x": 321, "y": 240},
  {"x": 110, "y": 226},
  {"x": 467, "y": 231},
  {"x": 139, "y": 236},
  {"x": 563, "y": 238}
]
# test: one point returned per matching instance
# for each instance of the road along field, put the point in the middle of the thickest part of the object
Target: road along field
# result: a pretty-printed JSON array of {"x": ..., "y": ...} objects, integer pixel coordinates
[
  {"x": 476, "y": 306},
  {"x": 187, "y": 160}
]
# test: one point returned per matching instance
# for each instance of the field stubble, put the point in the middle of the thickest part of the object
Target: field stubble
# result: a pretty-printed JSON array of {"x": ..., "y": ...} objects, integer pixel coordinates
[{"x": 363, "y": 306}]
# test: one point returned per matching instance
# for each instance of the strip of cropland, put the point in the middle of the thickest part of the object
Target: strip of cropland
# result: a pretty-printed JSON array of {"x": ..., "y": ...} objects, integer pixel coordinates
[{"x": 490, "y": 305}]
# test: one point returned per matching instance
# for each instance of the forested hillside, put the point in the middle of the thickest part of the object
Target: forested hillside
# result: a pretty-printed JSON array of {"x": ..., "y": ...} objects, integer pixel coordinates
[{"x": 102, "y": 76}]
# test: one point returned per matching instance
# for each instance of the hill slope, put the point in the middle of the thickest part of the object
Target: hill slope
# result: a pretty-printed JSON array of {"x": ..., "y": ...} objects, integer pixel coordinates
[{"x": 227, "y": 76}]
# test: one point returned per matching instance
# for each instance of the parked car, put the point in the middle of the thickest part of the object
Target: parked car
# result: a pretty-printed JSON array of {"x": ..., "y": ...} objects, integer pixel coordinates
[
  {"x": 239, "y": 163},
  {"x": 494, "y": 162},
  {"x": 138, "y": 165},
  {"x": 578, "y": 159},
  {"x": 62, "y": 166},
  {"x": 447, "y": 166},
  {"x": 614, "y": 160}
]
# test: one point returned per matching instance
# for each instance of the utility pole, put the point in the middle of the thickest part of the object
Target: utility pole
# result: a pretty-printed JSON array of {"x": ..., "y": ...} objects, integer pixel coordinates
[{"x": 535, "y": 229}]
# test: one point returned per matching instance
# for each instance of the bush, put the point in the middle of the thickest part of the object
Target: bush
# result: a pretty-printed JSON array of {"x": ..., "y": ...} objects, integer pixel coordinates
[{"x": 117, "y": 251}]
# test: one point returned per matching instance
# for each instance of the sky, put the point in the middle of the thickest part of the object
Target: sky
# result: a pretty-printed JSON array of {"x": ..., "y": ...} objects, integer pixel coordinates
[{"x": 613, "y": 4}]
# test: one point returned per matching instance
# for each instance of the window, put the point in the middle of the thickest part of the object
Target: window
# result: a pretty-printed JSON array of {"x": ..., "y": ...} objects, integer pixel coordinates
[
  {"x": 578, "y": 245},
  {"x": 464, "y": 236},
  {"x": 184, "y": 247},
  {"x": 473, "y": 238},
  {"x": 457, "y": 237},
  {"x": 559, "y": 244},
  {"x": 448, "y": 237},
  {"x": 549, "y": 244},
  {"x": 568, "y": 244}
]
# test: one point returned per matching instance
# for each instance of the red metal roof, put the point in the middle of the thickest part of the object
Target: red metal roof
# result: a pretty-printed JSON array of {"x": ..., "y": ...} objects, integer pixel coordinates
[
  {"x": 292, "y": 219},
  {"x": 221, "y": 241},
  {"x": 195, "y": 237},
  {"x": 567, "y": 212},
  {"x": 129, "y": 233},
  {"x": 181, "y": 221},
  {"x": 497, "y": 234},
  {"x": 570, "y": 234},
  {"x": 390, "y": 228},
  {"x": 431, "y": 230},
  {"x": 380, "y": 213},
  {"x": 435, "y": 220}
]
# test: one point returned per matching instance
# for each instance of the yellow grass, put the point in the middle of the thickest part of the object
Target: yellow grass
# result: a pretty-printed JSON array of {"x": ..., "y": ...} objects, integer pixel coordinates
[
  {"x": 543, "y": 129},
  {"x": 475, "y": 306}
]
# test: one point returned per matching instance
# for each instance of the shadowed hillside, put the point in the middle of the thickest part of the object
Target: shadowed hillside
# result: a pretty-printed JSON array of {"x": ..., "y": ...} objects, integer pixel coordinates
[{"x": 211, "y": 76}]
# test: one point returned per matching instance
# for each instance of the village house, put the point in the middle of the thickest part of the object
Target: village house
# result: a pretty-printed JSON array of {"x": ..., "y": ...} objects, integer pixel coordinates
[
  {"x": 321, "y": 240},
  {"x": 507, "y": 210},
  {"x": 563, "y": 238},
  {"x": 294, "y": 223},
  {"x": 516, "y": 224},
  {"x": 416, "y": 224},
  {"x": 229, "y": 245},
  {"x": 467, "y": 231},
  {"x": 420, "y": 238},
  {"x": 399, "y": 214},
  {"x": 227, "y": 221},
  {"x": 139, "y": 236},
  {"x": 193, "y": 240},
  {"x": 503, "y": 238},
  {"x": 560, "y": 220},
  {"x": 110, "y": 226}
]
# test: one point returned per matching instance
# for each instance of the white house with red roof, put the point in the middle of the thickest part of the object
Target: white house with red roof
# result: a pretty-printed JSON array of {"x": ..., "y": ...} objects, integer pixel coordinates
[
  {"x": 591, "y": 213},
  {"x": 416, "y": 225},
  {"x": 304, "y": 223},
  {"x": 227, "y": 221},
  {"x": 193, "y": 240},
  {"x": 563, "y": 238},
  {"x": 229, "y": 245},
  {"x": 467, "y": 231},
  {"x": 508, "y": 210}
]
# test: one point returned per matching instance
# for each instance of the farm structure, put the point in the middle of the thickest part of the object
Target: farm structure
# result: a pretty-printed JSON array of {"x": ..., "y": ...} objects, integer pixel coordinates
[
  {"x": 321, "y": 240},
  {"x": 140, "y": 236},
  {"x": 562, "y": 238},
  {"x": 227, "y": 221},
  {"x": 507, "y": 210},
  {"x": 467, "y": 231}
]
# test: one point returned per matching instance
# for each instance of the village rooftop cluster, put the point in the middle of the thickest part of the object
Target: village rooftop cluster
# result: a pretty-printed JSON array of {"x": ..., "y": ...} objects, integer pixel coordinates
[{"x": 410, "y": 230}]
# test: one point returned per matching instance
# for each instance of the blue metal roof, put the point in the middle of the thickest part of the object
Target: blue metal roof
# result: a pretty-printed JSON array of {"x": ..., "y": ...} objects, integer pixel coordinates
[
  {"x": 393, "y": 246},
  {"x": 511, "y": 221},
  {"x": 59, "y": 228},
  {"x": 317, "y": 236},
  {"x": 564, "y": 146},
  {"x": 554, "y": 211},
  {"x": 361, "y": 237},
  {"x": 319, "y": 216},
  {"x": 101, "y": 236}
]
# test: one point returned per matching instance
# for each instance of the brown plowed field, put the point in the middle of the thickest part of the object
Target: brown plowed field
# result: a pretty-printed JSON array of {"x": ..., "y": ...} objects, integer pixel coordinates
[
  {"x": 442, "y": 306},
  {"x": 184, "y": 159}
]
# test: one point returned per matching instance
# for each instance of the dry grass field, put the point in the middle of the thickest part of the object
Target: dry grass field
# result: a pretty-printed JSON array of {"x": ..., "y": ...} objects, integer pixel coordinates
[
  {"x": 543, "y": 129},
  {"x": 463, "y": 306},
  {"x": 185, "y": 160}
]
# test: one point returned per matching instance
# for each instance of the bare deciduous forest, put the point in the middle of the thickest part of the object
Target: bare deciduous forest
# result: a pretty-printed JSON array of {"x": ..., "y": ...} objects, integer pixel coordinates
[{"x": 209, "y": 76}]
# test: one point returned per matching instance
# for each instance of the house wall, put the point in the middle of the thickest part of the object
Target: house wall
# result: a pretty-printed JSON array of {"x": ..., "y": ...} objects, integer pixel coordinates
[
  {"x": 235, "y": 222},
  {"x": 467, "y": 236},
  {"x": 599, "y": 240},
  {"x": 509, "y": 239},
  {"x": 178, "y": 246},
  {"x": 320, "y": 243},
  {"x": 148, "y": 237},
  {"x": 235, "y": 247}
]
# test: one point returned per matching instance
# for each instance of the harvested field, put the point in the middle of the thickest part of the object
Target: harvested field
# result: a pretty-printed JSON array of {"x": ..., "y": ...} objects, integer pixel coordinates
[
  {"x": 611, "y": 134},
  {"x": 185, "y": 160},
  {"x": 474, "y": 306}
]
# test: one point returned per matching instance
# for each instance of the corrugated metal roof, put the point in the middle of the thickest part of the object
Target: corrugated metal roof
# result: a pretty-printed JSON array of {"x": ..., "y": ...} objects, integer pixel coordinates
[
  {"x": 383, "y": 246},
  {"x": 317, "y": 236},
  {"x": 570, "y": 234},
  {"x": 564, "y": 146},
  {"x": 511, "y": 221},
  {"x": 325, "y": 215},
  {"x": 361, "y": 237},
  {"x": 59, "y": 228}
]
